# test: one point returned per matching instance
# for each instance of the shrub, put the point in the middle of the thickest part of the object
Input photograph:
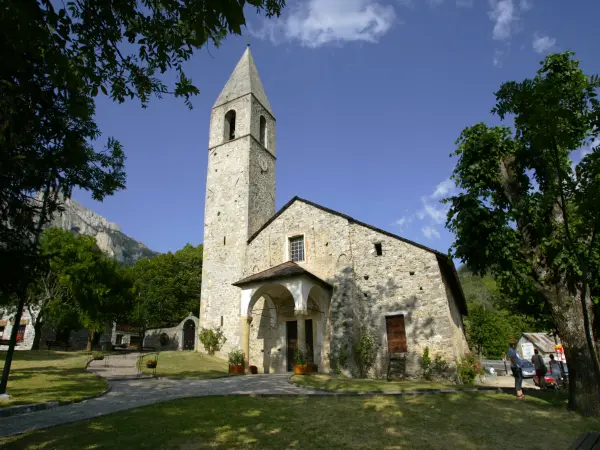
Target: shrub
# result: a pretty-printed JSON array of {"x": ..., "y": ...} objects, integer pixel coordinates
[
  {"x": 236, "y": 357},
  {"x": 299, "y": 357},
  {"x": 469, "y": 368},
  {"x": 364, "y": 354},
  {"x": 433, "y": 369},
  {"x": 98, "y": 355},
  {"x": 151, "y": 362},
  {"x": 338, "y": 359},
  {"x": 212, "y": 340}
]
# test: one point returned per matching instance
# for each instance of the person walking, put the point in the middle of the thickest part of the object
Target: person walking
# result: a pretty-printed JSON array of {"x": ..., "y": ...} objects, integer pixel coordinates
[
  {"x": 540, "y": 368},
  {"x": 555, "y": 370},
  {"x": 515, "y": 367}
]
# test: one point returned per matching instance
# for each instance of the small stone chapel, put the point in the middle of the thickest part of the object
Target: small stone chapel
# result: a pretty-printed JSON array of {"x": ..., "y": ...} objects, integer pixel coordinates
[{"x": 306, "y": 276}]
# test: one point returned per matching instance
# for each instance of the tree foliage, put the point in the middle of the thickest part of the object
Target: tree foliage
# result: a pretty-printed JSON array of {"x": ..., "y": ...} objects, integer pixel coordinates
[
  {"x": 57, "y": 57},
  {"x": 493, "y": 318},
  {"x": 92, "y": 289},
  {"x": 166, "y": 288},
  {"x": 528, "y": 217}
]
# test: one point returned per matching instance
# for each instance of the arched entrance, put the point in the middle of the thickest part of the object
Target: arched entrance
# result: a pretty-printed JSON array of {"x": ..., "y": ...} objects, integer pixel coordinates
[{"x": 189, "y": 335}]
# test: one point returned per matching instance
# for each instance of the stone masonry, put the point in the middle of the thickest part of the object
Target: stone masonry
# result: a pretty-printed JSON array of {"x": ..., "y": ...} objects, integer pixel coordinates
[
  {"x": 240, "y": 194},
  {"x": 372, "y": 274}
]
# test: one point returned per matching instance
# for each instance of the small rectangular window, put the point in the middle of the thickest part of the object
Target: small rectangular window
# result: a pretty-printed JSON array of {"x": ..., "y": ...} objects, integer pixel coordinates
[
  {"x": 296, "y": 246},
  {"x": 378, "y": 249},
  {"x": 119, "y": 339}
]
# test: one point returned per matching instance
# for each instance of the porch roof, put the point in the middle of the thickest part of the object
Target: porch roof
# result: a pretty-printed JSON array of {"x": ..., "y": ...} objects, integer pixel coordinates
[{"x": 285, "y": 270}]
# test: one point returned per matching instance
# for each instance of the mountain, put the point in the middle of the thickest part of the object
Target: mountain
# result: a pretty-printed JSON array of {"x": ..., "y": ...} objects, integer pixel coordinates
[{"x": 109, "y": 237}]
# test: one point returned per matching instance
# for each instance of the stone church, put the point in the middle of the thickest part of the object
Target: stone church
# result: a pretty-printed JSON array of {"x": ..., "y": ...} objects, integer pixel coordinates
[{"x": 306, "y": 276}]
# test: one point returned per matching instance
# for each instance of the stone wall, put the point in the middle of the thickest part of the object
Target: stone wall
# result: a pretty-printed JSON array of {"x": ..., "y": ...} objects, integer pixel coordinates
[
  {"x": 405, "y": 279},
  {"x": 240, "y": 198},
  {"x": 26, "y": 320},
  {"x": 175, "y": 335}
]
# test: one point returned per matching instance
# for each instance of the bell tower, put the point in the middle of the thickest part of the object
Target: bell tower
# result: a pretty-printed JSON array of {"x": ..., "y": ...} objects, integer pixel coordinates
[{"x": 240, "y": 192}]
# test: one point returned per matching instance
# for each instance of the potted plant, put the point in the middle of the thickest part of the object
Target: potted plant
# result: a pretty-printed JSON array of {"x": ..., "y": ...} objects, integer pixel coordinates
[
  {"x": 236, "y": 362},
  {"x": 301, "y": 367},
  {"x": 151, "y": 363},
  {"x": 253, "y": 370},
  {"x": 98, "y": 356}
]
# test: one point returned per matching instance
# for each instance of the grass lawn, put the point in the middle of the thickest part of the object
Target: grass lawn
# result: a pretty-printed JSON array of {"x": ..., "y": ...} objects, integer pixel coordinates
[
  {"x": 189, "y": 364},
  {"x": 464, "y": 421},
  {"x": 332, "y": 383},
  {"x": 41, "y": 376}
]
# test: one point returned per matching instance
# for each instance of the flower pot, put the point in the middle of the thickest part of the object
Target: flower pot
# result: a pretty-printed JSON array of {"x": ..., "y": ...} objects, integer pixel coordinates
[
  {"x": 237, "y": 369},
  {"x": 151, "y": 365},
  {"x": 303, "y": 369},
  {"x": 253, "y": 370}
]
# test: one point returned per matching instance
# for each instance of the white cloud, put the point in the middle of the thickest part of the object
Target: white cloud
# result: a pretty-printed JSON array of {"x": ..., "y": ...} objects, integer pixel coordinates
[
  {"x": 498, "y": 54},
  {"x": 526, "y": 5},
  {"x": 403, "y": 221},
  {"x": 314, "y": 23},
  {"x": 543, "y": 44},
  {"x": 430, "y": 232},
  {"x": 443, "y": 189},
  {"x": 505, "y": 15}
]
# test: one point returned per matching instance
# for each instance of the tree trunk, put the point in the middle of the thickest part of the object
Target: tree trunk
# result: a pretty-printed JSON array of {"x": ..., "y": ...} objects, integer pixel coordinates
[
  {"x": 37, "y": 337},
  {"x": 90, "y": 339},
  {"x": 584, "y": 385},
  {"x": 13, "y": 341}
]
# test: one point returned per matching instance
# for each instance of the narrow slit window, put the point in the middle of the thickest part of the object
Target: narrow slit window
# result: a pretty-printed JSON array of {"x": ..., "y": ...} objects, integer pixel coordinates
[
  {"x": 263, "y": 131},
  {"x": 296, "y": 246},
  {"x": 224, "y": 240},
  {"x": 378, "y": 249},
  {"x": 229, "y": 125},
  {"x": 221, "y": 320}
]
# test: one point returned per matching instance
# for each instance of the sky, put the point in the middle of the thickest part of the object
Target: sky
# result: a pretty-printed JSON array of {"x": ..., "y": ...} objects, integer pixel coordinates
[{"x": 369, "y": 97}]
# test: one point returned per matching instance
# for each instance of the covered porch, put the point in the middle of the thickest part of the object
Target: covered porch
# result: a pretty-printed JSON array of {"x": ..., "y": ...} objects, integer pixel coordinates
[{"x": 282, "y": 309}]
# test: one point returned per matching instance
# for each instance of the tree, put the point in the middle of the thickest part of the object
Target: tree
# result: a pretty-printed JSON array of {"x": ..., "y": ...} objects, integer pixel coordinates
[
  {"x": 525, "y": 216},
  {"x": 95, "y": 288},
  {"x": 166, "y": 288},
  {"x": 56, "y": 60}
]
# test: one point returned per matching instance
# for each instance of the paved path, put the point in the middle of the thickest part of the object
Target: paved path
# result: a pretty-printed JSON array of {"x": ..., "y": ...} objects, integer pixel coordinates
[
  {"x": 117, "y": 367},
  {"x": 129, "y": 394}
]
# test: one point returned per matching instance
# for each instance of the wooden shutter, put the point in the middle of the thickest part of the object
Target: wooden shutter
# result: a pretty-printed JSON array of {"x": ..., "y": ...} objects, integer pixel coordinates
[{"x": 396, "y": 334}]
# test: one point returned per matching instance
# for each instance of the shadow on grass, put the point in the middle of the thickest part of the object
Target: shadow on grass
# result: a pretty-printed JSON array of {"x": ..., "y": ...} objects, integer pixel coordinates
[{"x": 455, "y": 421}]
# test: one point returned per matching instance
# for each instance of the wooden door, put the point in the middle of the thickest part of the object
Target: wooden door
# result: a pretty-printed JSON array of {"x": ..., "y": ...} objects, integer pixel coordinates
[{"x": 396, "y": 334}]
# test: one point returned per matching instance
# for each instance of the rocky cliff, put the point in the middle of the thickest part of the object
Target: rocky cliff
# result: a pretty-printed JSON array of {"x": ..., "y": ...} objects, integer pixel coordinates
[{"x": 110, "y": 238}]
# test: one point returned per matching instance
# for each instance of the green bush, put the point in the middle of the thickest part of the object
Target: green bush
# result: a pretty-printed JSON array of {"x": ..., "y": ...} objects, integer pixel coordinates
[
  {"x": 433, "y": 369},
  {"x": 212, "y": 340},
  {"x": 236, "y": 357},
  {"x": 364, "y": 354},
  {"x": 469, "y": 368},
  {"x": 338, "y": 359}
]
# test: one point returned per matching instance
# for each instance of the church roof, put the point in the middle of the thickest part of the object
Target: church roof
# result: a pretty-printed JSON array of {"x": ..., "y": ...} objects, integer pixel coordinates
[
  {"x": 445, "y": 262},
  {"x": 243, "y": 81},
  {"x": 287, "y": 269}
]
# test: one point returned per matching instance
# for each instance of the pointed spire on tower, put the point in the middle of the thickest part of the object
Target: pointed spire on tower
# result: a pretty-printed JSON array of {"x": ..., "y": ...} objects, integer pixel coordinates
[{"x": 244, "y": 80}]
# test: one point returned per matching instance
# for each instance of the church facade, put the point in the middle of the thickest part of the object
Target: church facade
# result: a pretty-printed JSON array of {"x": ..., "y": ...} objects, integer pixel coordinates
[{"x": 307, "y": 277}]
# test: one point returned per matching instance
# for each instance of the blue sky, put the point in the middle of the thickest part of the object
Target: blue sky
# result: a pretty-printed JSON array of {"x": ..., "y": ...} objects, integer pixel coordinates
[{"x": 369, "y": 97}]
